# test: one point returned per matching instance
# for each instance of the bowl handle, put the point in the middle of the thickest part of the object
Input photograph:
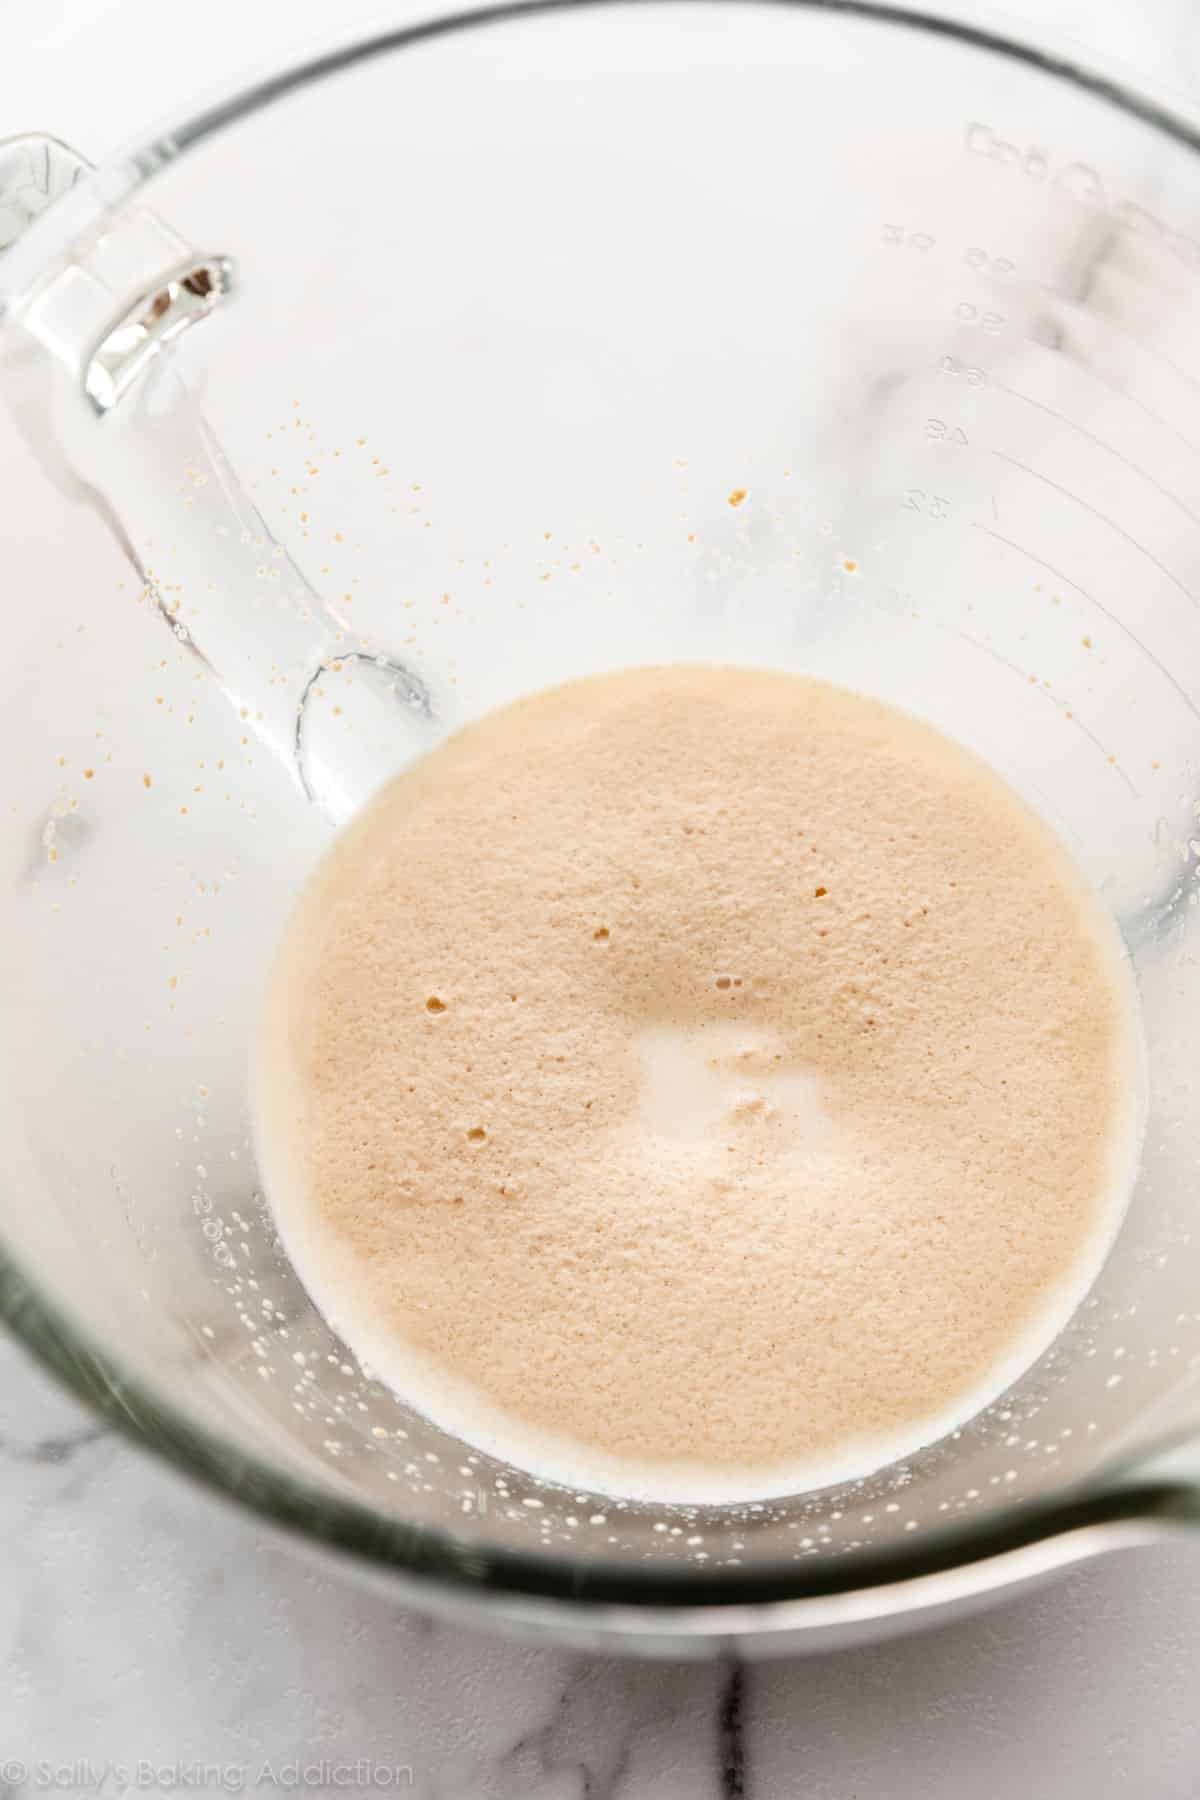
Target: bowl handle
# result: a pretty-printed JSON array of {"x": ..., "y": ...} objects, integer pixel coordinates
[{"x": 95, "y": 295}]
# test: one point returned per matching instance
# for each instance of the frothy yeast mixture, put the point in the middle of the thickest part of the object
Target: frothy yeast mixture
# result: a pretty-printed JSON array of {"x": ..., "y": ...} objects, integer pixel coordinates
[{"x": 697, "y": 1083}]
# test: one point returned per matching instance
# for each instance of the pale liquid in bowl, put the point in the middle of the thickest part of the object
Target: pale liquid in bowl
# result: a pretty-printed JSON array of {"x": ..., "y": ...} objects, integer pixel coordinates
[{"x": 699, "y": 1084}]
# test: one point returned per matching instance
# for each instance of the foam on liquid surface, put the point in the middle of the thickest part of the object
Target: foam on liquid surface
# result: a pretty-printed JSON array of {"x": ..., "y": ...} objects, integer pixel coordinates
[{"x": 698, "y": 1083}]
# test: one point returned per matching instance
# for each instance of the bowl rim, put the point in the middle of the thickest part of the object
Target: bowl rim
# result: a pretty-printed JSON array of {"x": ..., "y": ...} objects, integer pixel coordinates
[
  {"x": 445, "y": 1573},
  {"x": 444, "y": 1569}
]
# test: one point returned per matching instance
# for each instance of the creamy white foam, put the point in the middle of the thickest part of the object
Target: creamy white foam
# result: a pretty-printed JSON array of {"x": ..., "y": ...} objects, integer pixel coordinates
[{"x": 698, "y": 1084}]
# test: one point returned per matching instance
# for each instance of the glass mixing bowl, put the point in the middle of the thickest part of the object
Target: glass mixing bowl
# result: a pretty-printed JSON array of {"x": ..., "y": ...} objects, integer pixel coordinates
[{"x": 499, "y": 350}]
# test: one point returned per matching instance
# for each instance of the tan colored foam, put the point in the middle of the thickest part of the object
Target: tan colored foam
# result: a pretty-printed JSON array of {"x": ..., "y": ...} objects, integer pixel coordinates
[{"x": 697, "y": 1069}]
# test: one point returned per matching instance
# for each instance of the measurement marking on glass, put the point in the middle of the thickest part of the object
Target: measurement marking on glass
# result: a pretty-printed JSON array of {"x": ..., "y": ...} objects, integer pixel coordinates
[
  {"x": 1122, "y": 393},
  {"x": 1097, "y": 514},
  {"x": 1042, "y": 406},
  {"x": 1058, "y": 705},
  {"x": 1113, "y": 619},
  {"x": 1127, "y": 337}
]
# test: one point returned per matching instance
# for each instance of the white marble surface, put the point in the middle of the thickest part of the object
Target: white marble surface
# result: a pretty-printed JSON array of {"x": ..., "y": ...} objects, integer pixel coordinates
[
  {"x": 144, "y": 1630},
  {"x": 140, "y": 1622}
]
